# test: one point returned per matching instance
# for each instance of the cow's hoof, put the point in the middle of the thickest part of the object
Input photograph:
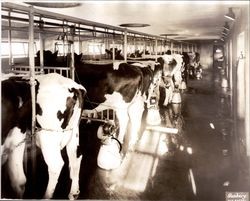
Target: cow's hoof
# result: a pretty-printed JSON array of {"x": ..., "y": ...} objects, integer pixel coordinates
[{"x": 74, "y": 196}]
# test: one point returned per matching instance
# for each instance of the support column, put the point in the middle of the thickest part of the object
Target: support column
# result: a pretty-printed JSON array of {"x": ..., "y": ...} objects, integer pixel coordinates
[
  {"x": 113, "y": 49},
  {"x": 9, "y": 40},
  {"x": 33, "y": 93},
  {"x": 156, "y": 49},
  {"x": 41, "y": 41},
  {"x": 125, "y": 45},
  {"x": 171, "y": 47}
]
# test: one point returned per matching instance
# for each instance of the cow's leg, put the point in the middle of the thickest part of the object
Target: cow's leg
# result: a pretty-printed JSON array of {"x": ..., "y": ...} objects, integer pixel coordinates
[
  {"x": 74, "y": 165},
  {"x": 135, "y": 112},
  {"x": 123, "y": 118},
  {"x": 15, "y": 143},
  {"x": 51, "y": 150},
  {"x": 168, "y": 96}
]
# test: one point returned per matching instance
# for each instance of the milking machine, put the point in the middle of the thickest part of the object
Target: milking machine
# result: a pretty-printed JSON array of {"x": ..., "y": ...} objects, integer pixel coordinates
[
  {"x": 109, "y": 156},
  {"x": 153, "y": 115},
  {"x": 198, "y": 72},
  {"x": 176, "y": 96}
]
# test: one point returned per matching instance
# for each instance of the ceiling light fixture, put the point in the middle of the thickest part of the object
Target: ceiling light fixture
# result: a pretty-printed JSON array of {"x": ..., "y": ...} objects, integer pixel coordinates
[
  {"x": 169, "y": 34},
  {"x": 230, "y": 15},
  {"x": 226, "y": 26},
  {"x": 54, "y": 4},
  {"x": 135, "y": 25}
]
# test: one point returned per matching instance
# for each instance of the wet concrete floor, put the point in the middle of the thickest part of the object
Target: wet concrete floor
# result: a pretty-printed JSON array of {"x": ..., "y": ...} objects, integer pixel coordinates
[{"x": 195, "y": 164}]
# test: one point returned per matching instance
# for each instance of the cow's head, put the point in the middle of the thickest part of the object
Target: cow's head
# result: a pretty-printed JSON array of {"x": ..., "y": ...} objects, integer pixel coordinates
[
  {"x": 78, "y": 58},
  {"x": 118, "y": 55},
  {"x": 49, "y": 58},
  {"x": 185, "y": 58}
]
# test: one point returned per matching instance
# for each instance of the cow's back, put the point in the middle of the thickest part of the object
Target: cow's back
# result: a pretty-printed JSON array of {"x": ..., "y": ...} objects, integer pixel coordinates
[
  {"x": 100, "y": 80},
  {"x": 16, "y": 107}
]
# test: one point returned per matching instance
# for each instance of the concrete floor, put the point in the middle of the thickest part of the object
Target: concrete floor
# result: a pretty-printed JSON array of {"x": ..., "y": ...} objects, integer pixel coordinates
[{"x": 195, "y": 164}]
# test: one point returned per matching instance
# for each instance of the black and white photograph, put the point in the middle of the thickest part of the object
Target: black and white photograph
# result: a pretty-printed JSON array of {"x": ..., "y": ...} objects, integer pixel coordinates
[{"x": 125, "y": 100}]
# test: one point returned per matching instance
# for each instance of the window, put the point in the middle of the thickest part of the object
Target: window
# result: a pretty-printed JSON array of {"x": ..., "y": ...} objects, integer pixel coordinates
[
  {"x": 96, "y": 48},
  {"x": 19, "y": 49}
]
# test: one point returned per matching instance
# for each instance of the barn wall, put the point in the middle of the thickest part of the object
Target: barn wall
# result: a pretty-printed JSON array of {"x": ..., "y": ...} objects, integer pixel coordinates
[{"x": 238, "y": 39}]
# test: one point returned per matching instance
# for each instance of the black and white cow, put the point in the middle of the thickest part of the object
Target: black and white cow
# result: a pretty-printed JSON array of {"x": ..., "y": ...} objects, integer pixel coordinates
[
  {"x": 171, "y": 75},
  {"x": 50, "y": 58},
  {"x": 59, "y": 103},
  {"x": 118, "y": 55},
  {"x": 117, "y": 86}
]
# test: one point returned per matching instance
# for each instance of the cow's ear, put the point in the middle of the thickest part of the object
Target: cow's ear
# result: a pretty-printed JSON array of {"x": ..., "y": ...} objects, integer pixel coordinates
[
  {"x": 80, "y": 57},
  {"x": 55, "y": 54},
  {"x": 38, "y": 53},
  {"x": 119, "y": 51},
  {"x": 107, "y": 51}
]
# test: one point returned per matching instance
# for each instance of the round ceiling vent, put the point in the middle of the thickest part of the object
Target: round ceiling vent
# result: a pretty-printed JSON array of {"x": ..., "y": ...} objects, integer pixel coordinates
[
  {"x": 135, "y": 25},
  {"x": 53, "y": 5},
  {"x": 173, "y": 34}
]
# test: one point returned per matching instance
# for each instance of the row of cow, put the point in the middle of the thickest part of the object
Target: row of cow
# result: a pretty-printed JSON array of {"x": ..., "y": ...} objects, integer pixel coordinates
[
  {"x": 191, "y": 60},
  {"x": 61, "y": 102}
]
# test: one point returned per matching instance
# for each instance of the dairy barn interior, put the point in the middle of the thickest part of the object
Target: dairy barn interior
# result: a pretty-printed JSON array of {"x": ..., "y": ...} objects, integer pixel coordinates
[{"x": 125, "y": 100}]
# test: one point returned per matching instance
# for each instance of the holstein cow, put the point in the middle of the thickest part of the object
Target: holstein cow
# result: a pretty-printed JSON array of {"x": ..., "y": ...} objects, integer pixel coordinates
[
  {"x": 118, "y": 55},
  {"x": 59, "y": 103},
  {"x": 170, "y": 77},
  {"x": 117, "y": 86},
  {"x": 50, "y": 58},
  {"x": 195, "y": 68},
  {"x": 186, "y": 63}
]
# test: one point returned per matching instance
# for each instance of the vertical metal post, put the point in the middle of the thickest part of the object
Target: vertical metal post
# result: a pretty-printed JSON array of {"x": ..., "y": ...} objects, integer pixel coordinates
[
  {"x": 72, "y": 51},
  {"x": 113, "y": 49},
  {"x": 135, "y": 43},
  {"x": 41, "y": 49},
  {"x": 9, "y": 40},
  {"x": 41, "y": 52},
  {"x": 72, "y": 66},
  {"x": 145, "y": 46},
  {"x": 79, "y": 40},
  {"x": 166, "y": 45},
  {"x": 171, "y": 47},
  {"x": 125, "y": 45},
  {"x": 63, "y": 39},
  {"x": 181, "y": 48},
  {"x": 33, "y": 93},
  {"x": 161, "y": 46},
  {"x": 156, "y": 49}
]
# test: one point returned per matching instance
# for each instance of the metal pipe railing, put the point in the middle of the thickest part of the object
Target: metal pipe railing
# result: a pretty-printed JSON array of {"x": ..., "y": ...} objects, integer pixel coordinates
[{"x": 57, "y": 16}]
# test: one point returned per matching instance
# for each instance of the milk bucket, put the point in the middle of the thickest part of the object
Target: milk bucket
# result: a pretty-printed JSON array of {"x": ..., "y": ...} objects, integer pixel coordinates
[
  {"x": 176, "y": 97},
  {"x": 109, "y": 156}
]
